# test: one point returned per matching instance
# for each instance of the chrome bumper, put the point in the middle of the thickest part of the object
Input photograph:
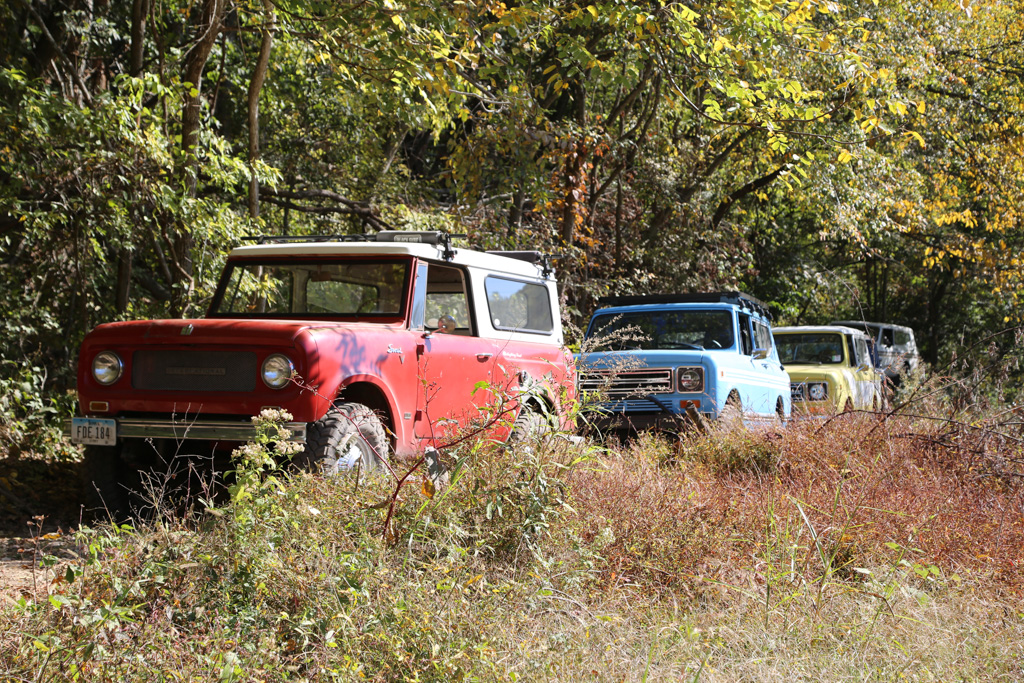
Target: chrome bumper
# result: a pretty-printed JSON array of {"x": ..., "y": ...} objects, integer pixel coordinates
[{"x": 208, "y": 430}]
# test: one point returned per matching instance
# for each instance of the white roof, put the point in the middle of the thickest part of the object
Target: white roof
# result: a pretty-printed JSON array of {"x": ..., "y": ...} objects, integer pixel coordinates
[
  {"x": 463, "y": 257},
  {"x": 837, "y": 329}
]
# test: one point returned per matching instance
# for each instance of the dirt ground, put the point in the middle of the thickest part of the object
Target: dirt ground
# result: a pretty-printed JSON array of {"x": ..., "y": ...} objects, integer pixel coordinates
[{"x": 41, "y": 505}]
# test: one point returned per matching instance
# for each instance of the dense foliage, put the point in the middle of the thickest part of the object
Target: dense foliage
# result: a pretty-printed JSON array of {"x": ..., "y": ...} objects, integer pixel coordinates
[{"x": 838, "y": 159}]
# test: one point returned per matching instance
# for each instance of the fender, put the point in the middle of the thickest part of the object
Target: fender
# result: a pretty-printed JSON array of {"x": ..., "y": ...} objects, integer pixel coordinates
[{"x": 397, "y": 423}]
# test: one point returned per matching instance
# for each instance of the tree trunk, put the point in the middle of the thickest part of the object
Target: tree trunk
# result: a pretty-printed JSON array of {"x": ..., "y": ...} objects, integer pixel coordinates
[
  {"x": 515, "y": 215},
  {"x": 140, "y": 9},
  {"x": 255, "y": 85},
  {"x": 937, "y": 293},
  {"x": 206, "y": 27},
  {"x": 884, "y": 293},
  {"x": 617, "y": 267}
]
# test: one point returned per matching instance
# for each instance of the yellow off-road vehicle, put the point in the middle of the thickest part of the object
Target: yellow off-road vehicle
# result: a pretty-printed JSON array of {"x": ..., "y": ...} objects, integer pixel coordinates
[{"x": 830, "y": 369}]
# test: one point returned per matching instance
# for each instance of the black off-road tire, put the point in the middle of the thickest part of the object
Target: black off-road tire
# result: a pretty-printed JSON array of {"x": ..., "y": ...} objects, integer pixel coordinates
[
  {"x": 530, "y": 425},
  {"x": 731, "y": 417},
  {"x": 346, "y": 430}
]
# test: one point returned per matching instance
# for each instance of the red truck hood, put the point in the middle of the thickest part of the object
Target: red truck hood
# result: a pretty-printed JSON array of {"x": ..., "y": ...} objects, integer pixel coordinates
[
  {"x": 324, "y": 353},
  {"x": 217, "y": 331}
]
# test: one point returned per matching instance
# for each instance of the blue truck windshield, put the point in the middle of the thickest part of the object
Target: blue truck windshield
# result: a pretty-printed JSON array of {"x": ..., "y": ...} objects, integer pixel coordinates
[{"x": 668, "y": 329}]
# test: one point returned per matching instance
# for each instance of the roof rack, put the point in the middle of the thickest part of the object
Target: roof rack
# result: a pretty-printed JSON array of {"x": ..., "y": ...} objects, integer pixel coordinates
[
  {"x": 736, "y": 298},
  {"x": 536, "y": 257},
  {"x": 440, "y": 239}
]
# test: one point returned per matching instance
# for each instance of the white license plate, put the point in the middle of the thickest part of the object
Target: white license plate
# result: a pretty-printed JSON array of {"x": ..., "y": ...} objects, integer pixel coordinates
[{"x": 93, "y": 431}]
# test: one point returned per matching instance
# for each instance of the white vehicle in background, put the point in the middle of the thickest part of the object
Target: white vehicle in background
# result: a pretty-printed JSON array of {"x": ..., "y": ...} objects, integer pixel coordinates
[{"x": 893, "y": 348}]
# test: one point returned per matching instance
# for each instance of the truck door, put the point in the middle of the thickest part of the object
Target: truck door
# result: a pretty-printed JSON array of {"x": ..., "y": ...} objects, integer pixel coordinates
[
  {"x": 755, "y": 394},
  {"x": 773, "y": 375},
  {"x": 522, "y": 315},
  {"x": 451, "y": 358},
  {"x": 867, "y": 379}
]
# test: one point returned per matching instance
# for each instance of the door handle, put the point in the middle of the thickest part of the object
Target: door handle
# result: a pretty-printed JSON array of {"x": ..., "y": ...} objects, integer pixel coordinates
[{"x": 484, "y": 356}]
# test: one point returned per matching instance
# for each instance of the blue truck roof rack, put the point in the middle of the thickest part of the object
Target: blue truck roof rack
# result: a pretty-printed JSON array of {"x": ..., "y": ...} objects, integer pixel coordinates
[{"x": 740, "y": 299}]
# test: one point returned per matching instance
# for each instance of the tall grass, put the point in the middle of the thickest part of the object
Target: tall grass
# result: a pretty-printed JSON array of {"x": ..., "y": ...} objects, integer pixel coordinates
[{"x": 883, "y": 547}]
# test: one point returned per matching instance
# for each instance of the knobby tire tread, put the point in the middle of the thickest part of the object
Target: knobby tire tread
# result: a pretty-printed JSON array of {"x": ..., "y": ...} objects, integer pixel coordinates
[{"x": 324, "y": 436}]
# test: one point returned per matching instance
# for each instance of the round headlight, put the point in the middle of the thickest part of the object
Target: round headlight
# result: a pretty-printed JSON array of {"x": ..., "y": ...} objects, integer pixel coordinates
[
  {"x": 277, "y": 370},
  {"x": 816, "y": 392},
  {"x": 107, "y": 367},
  {"x": 691, "y": 379}
]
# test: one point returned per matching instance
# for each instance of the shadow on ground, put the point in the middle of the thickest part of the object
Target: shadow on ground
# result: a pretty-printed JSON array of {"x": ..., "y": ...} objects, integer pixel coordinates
[
  {"x": 41, "y": 504},
  {"x": 36, "y": 490}
]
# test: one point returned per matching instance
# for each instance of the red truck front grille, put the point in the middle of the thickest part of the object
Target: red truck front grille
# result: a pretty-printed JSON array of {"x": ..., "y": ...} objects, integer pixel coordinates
[{"x": 194, "y": 370}]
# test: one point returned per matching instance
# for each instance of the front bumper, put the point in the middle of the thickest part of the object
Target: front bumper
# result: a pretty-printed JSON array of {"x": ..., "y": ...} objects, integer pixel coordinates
[
  {"x": 813, "y": 408},
  {"x": 647, "y": 413},
  {"x": 206, "y": 430}
]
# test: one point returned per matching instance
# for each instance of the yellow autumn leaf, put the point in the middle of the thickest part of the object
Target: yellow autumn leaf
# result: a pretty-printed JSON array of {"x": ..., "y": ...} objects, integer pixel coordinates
[{"x": 916, "y": 136}]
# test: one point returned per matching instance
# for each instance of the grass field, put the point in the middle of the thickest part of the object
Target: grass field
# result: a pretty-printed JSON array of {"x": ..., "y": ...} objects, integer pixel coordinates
[{"x": 859, "y": 548}]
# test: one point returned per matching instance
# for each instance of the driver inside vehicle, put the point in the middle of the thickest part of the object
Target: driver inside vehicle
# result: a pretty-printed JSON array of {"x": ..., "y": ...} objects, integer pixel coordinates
[{"x": 718, "y": 338}]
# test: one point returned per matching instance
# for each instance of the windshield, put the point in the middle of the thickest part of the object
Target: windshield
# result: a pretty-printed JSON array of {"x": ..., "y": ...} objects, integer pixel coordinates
[
  {"x": 313, "y": 288},
  {"x": 679, "y": 329},
  {"x": 813, "y": 348}
]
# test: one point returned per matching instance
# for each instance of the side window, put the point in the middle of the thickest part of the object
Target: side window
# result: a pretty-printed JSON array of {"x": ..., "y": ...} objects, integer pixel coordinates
[
  {"x": 858, "y": 350},
  {"x": 518, "y": 306},
  {"x": 418, "y": 315},
  {"x": 863, "y": 357},
  {"x": 746, "y": 343},
  {"x": 762, "y": 336},
  {"x": 903, "y": 338},
  {"x": 887, "y": 336},
  {"x": 446, "y": 296}
]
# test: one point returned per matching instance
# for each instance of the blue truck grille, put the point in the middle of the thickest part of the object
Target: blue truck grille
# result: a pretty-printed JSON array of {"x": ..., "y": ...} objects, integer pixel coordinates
[{"x": 625, "y": 383}]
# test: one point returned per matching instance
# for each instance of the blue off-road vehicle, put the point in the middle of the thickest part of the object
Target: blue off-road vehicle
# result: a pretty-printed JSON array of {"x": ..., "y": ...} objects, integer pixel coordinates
[{"x": 659, "y": 361}]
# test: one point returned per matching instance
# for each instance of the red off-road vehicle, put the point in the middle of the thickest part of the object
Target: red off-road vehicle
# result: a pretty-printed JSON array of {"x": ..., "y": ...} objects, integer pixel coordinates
[{"x": 375, "y": 344}]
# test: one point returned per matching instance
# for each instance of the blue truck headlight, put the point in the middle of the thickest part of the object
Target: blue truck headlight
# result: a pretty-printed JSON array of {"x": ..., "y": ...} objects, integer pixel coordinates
[{"x": 691, "y": 380}]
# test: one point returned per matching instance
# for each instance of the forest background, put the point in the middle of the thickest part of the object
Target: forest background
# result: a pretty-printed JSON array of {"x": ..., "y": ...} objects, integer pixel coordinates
[{"x": 836, "y": 159}]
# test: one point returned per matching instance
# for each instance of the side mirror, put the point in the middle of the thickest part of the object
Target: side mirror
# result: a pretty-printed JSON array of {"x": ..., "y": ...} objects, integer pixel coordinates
[
  {"x": 446, "y": 324},
  {"x": 864, "y": 367},
  {"x": 760, "y": 354}
]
